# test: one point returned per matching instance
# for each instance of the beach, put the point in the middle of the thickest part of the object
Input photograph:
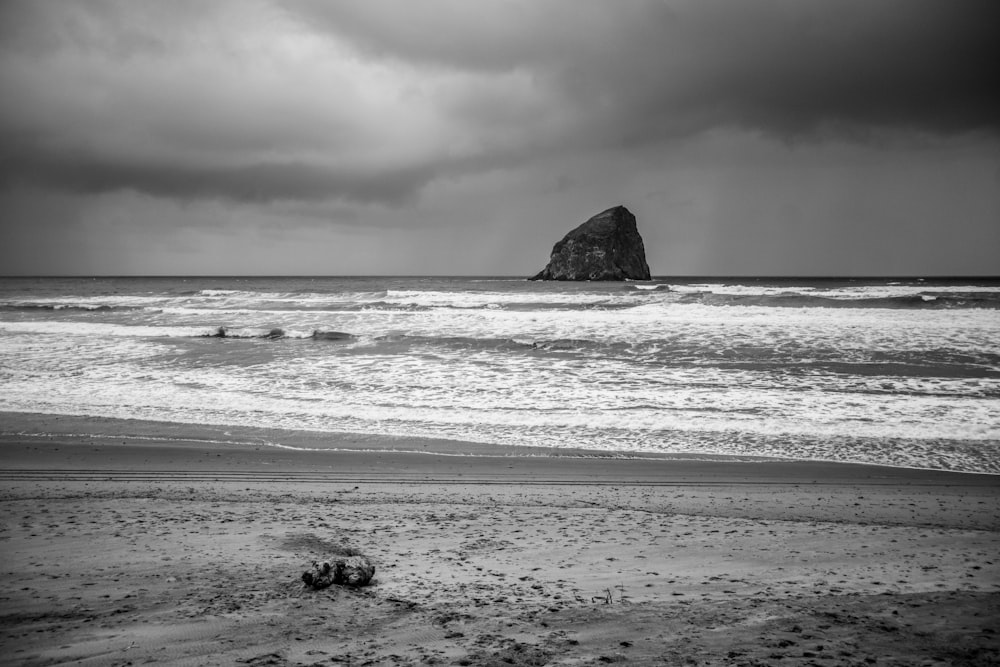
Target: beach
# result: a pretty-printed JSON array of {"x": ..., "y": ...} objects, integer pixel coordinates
[
  {"x": 122, "y": 546},
  {"x": 554, "y": 333}
]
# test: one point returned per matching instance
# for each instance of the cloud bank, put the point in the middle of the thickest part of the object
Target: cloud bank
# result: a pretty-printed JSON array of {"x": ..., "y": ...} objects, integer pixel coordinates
[
  {"x": 370, "y": 101},
  {"x": 389, "y": 114}
]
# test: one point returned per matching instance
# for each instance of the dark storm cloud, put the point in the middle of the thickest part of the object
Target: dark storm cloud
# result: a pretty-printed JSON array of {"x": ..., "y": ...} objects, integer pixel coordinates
[
  {"x": 256, "y": 182},
  {"x": 666, "y": 68},
  {"x": 372, "y": 101}
]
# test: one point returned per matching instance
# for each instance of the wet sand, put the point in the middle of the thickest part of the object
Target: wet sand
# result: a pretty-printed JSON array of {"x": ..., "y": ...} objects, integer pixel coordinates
[{"x": 137, "y": 542}]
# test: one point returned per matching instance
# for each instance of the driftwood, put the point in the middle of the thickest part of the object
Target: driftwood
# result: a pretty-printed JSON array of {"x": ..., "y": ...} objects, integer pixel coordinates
[{"x": 343, "y": 571}]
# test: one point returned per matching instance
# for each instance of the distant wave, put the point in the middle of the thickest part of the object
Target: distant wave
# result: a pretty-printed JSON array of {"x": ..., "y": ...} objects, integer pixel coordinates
[
  {"x": 32, "y": 307},
  {"x": 295, "y": 296},
  {"x": 574, "y": 298},
  {"x": 215, "y": 292},
  {"x": 631, "y": 296},
  {"x": 490, "y": 305},
  {"x": 923, "y": 300}
]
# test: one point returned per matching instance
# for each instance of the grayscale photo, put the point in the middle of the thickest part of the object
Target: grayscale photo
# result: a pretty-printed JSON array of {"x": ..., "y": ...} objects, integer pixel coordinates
[{"x": 499, "y": 332}]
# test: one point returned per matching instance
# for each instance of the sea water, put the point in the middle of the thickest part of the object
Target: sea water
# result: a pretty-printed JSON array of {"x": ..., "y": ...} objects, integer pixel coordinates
[{"x": 894, "y": 372}]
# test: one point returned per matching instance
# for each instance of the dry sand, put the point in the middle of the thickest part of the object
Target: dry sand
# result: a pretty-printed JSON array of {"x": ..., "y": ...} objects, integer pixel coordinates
[{"x": 132, "y": 549}]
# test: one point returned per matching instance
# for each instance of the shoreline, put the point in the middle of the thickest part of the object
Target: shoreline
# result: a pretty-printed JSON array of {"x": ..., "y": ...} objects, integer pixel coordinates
[
  {"x": 136, "y": 432},
  {"x": 306, "y": 440},
  {"x": 140, "y": 541}
]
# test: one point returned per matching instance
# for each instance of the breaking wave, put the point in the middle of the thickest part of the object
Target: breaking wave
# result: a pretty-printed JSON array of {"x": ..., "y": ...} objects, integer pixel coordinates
[{"x": 922, "y": 300}]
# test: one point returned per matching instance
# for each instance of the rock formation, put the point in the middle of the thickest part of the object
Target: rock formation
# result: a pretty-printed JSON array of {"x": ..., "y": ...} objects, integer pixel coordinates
[{"x": 606, "y": 247}]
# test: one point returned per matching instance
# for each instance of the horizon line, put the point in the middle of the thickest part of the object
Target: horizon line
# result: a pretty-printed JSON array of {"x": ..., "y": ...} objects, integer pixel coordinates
[{"x": 655, "y": 278}]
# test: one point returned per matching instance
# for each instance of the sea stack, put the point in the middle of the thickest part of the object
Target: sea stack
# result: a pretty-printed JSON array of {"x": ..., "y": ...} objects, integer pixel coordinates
[{"x": 606, "y": 247}]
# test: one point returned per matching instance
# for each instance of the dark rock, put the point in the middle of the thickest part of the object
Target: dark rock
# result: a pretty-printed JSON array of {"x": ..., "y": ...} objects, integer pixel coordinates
[
  {"x": 343, "y": 571},
  {"x": 606, "y": 247}
]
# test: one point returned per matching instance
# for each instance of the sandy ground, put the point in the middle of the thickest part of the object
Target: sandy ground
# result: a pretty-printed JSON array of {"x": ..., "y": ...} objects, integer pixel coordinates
[{"x": 132, "y": 550}]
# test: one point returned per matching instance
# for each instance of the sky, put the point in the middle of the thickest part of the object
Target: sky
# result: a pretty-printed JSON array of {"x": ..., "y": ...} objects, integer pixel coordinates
[{"x": 461, "y": 137}]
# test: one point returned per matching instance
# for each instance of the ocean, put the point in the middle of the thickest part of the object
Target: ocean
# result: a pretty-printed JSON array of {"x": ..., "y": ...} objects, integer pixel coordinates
[{"x": 893, "y": 372}]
